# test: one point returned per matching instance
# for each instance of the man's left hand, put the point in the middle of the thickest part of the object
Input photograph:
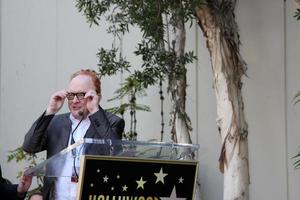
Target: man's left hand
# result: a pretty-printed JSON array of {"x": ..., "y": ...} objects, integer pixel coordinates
[{"x": 93, "y": 100}]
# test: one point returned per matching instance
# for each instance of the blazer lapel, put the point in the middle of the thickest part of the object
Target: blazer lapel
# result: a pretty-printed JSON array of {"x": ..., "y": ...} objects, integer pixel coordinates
[
  {"x": 65, "y": 131},
  {"x": 96, "y": 129},
  {"x": 90, "y": 133}
]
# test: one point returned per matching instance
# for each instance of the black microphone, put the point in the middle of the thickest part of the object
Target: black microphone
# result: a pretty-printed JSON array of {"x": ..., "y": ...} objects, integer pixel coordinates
[
  {"x": 80, "y": 113},
  {"x": 75, "y": 178}
]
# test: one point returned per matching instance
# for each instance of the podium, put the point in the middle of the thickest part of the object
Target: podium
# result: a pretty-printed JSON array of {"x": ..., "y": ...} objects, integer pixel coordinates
[{"x": 120, "y": 169}]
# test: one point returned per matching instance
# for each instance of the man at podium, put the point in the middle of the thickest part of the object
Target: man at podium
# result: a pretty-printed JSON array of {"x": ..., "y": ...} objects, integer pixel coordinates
[{"x": 53, "y": 132}]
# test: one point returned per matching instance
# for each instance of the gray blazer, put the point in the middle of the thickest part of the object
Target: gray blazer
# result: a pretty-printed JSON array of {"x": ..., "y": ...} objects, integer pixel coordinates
[{"x": 52, "y": 133}]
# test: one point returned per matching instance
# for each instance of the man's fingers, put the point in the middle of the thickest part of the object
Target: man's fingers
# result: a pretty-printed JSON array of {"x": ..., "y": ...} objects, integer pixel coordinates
[
  {"x": 60, "y": 95},
  {"x": 90, "y": 93}
]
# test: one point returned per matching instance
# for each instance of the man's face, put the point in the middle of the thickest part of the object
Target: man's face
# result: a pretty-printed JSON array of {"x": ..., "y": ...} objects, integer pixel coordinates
[{"x": 79, "y": 85}]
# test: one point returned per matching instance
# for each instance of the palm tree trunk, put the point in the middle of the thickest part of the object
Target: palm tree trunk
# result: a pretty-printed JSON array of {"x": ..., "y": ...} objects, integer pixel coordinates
[{"x": 220, "y": 29}]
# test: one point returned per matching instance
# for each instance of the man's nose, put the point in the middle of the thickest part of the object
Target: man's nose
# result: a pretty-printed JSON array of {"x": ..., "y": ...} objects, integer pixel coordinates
[{"x": 75, "y": 99}]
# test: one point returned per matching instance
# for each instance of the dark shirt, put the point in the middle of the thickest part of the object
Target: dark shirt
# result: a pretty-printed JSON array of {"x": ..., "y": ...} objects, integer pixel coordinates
[{"x": 8, "y": 191}]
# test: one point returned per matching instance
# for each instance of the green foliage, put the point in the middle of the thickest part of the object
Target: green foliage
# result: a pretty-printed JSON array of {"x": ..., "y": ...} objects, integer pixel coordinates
[
  {"x": 133, "y": 87},
  {"x": 297, "y": 162},
  {"x": 93, "y": 9},
  {"x": 297, "y": 97},
  {"x": 297, "y": 156},
  {"x": 156, "y": 19},
  {"x": 297, "y": 14},
  {"x": 296, "y": 100},
  {"x": 126, "y": 107},
  {"x": 19, "y": 155},
  {"x": 148, "y": 16},
  {"x": 109, "y": 63},
  {"x": 160, "y": 63}
]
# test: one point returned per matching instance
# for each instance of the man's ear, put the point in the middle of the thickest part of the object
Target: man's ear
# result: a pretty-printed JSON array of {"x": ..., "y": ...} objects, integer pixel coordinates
[{"x": 100, "y": 97}]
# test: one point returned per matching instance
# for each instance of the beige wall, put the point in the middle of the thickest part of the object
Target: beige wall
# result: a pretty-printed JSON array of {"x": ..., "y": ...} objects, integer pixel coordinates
[
  {"x": 43, "y": 42},
  {"x": 262, "y": 35},
  {"x": 292, "y": 87}
]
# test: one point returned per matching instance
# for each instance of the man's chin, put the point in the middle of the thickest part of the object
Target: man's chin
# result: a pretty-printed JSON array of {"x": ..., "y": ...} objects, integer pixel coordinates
[{"x": 77, "y": 113}]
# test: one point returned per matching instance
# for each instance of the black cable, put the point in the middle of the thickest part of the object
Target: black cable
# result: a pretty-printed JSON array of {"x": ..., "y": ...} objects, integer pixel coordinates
[{"x": 80, "y": 113}]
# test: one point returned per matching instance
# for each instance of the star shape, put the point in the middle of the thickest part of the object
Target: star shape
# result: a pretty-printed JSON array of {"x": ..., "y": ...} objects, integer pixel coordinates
[
  {"x": 173, "y": 196},
  {"x": 141, "y": 183},
  {"x": 180, "y": 180},
  {"x": 124, "y": 188},
  {"x": 105, "y": 179},
  {"x": 160, "y": 176}
]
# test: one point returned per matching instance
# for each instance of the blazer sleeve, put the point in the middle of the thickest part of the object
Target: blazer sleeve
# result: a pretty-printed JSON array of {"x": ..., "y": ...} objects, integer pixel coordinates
[
  {"x": 35, "y": 138},
  {"x": 107, "y": 125}
]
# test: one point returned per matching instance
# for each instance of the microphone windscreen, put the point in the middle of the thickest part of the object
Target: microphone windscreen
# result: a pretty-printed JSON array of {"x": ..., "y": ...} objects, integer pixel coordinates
[{"x": 80, "y": 113}]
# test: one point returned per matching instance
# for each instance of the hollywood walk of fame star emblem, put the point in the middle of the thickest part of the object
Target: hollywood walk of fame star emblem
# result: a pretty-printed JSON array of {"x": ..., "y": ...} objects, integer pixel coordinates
[
  {"x": 125, "y": 188},
  {"x": 141, "y": 183},
  {"x": 105, "y": 179},
  {"x": 160, "y": 176},
  {"x": 173, "y": 196},
  {"x": 180, "y": 180}
]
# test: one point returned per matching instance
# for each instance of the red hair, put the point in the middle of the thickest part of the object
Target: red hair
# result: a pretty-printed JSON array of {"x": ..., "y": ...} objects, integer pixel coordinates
[{"x": 94, "y": 76}]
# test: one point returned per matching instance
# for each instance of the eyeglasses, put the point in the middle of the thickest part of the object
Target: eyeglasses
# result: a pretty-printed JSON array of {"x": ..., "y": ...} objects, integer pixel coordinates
[{"x": 79, "y": 95}]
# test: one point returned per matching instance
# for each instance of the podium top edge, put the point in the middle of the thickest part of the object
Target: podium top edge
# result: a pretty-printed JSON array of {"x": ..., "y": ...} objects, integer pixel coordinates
[{"x": 138, "y": 142}]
